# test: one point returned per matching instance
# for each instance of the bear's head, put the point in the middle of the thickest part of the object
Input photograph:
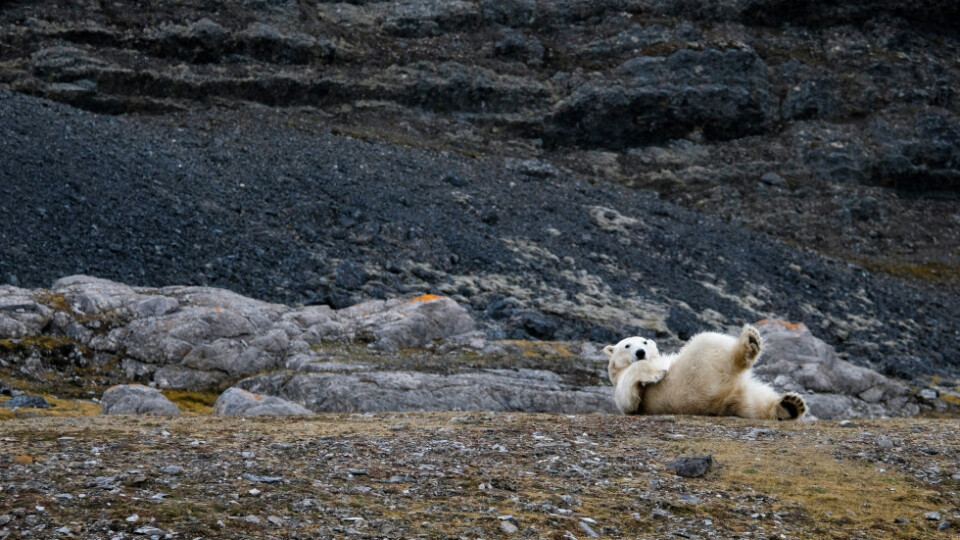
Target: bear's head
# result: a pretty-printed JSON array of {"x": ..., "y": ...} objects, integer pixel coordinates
[{"x": 633, "y": 349}]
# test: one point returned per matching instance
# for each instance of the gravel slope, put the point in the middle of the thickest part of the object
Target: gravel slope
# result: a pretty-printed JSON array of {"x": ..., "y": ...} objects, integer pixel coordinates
[{"x": 270, "y": 204}]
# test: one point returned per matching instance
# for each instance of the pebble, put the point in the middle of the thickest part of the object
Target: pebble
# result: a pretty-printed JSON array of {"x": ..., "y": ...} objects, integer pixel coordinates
[
  {"x": 847, "y": 424},
  {"x": 588, "y": 530},
  {"x": 247, "y": 455},
  {"x": 932, "y": 516},
  {"x": 252, "y": 519},
  {"x": 944, "y": 525},
  {"x": 773, "y": 179},
  {"x": 4, "y": 519},
  {"x": 173, "y": 469},
  {"x": 264, "y": 479},
  {"x": 149, "y": 530},
  {"x": 132, "y": 518},
  {"x": 508, "y": 527},
  {"x": 691, "y": 467},
  {"x": 901, "y": 520},
  {"x": 276, "y": 520}
]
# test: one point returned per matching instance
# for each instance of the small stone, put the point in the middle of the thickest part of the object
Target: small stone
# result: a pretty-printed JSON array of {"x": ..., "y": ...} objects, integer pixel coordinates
[
  {"x": 276, "y": 520},
  {"x": 4, "y": 519},
  {"x": 929, "y": 394},
  {"x": 254, "y": 492},
  {"x": 63, "y": 496},
  {"x": 132, "y": 518},
  {"x": 357, "y": 472},
  {"x": 64, "y": 530},
  {"x": 34, "y": 402},
  {"x": 691, "y": 467},
  {"x": 588, "y": 530},
  {"x": 773, "y": 179},
  {"x": 847, "y": 424},
  {"x": 901, "y": 520},
  {"x": 932, "y": 516},
  {"x": 252, "y": 519},
  {"x": 247, "y": 455},
  {"x": 508, "y": 527},
  {"x": 944, "y": 525},
  {"x": 149, "y": 530},
  {"x": 264, "y": 479},
  {"x": 173, "y": 469}
]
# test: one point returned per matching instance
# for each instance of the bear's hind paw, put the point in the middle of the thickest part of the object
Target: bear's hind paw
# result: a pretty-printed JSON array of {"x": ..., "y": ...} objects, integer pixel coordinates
[{"x": 791, "y": 407}]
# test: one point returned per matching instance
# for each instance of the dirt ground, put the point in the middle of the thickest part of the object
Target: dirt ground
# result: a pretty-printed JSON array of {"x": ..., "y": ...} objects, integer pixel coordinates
[{"x": 475, "y": 475}]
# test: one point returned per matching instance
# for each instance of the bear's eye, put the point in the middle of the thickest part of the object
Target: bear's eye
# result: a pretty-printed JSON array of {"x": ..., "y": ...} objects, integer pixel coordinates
[
  {"x": 644, "y": 342},
  {"x": 627, "y": 346}
]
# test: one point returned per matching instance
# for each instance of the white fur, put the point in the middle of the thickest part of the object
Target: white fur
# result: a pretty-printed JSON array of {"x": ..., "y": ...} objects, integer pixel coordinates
[{"x": 710, "y": 375}]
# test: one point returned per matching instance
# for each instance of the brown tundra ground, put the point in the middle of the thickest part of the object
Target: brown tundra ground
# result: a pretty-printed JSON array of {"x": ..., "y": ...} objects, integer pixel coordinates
[{"x": 475, "y": 475}]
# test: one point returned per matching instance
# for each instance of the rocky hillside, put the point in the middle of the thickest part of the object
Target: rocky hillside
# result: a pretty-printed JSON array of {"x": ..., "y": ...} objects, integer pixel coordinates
[{"x": 565, "y": 170}]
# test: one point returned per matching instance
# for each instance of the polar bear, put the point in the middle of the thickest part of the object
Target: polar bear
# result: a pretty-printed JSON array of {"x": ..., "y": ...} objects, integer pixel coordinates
[{"x": 710, "y": 376}]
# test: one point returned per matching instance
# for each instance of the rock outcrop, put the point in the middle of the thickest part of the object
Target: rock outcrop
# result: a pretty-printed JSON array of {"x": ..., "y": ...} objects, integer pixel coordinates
[
  {"x": 407, "y": 354},
  {"x": 490, "y": 390},
  {"x": 197, "y": 337},
  {"x": 795, "y": 360}
]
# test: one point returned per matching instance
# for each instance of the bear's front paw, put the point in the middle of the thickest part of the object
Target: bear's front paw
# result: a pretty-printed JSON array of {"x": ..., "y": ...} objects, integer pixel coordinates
[
  {"x": 659, "y": 376},
  {"x": 791, "y": 407},
  {"x": 750, "y": 344}
]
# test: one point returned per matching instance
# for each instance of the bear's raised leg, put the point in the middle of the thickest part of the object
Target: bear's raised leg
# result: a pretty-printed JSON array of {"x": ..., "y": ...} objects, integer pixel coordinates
[
  {"x": 747, "y": 349},
  {"x": 791, "y": 407}
]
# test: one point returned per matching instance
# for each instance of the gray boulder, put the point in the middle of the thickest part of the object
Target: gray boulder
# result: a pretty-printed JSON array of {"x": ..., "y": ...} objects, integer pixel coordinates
[
  {"x": 236, "y": 401},
  {"x": 795, "y": 360},
  {"x": 136, "y": 399},
  {"x": 21, "y": 314},
  {"x": 522, "y": 390},
  {"x": 398, "y": 324}
]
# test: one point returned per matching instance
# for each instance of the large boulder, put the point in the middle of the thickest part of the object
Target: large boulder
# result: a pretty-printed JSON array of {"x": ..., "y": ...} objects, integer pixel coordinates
[
  {"x": 136, "y": 399},
  {"x": 795, "y": 360},
  {"x": 400, "y": 324},
  {"x": 236, "y": 401}
]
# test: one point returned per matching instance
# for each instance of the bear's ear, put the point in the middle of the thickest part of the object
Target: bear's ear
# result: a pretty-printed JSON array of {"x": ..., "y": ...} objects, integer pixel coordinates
[{"x": 609, "y": 350}]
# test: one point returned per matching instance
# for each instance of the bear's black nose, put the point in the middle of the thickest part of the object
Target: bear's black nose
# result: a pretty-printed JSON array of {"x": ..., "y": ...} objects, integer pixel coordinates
[{"x": 641, "y": 354}]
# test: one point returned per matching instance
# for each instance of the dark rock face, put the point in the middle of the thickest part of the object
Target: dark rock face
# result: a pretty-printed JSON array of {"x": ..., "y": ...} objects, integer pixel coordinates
[
  {"x": 330, "y": 153},
  {"x": 723, "y": 94}
]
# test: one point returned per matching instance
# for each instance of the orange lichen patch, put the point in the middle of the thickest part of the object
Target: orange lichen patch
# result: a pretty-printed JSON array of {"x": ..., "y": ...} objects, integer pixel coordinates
[
  {"x": 785, "y": 324},
  {"x": 23, "y": 460},
  {"x": 257, "y": 397},
  {"x": 426, "y": 298}
]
